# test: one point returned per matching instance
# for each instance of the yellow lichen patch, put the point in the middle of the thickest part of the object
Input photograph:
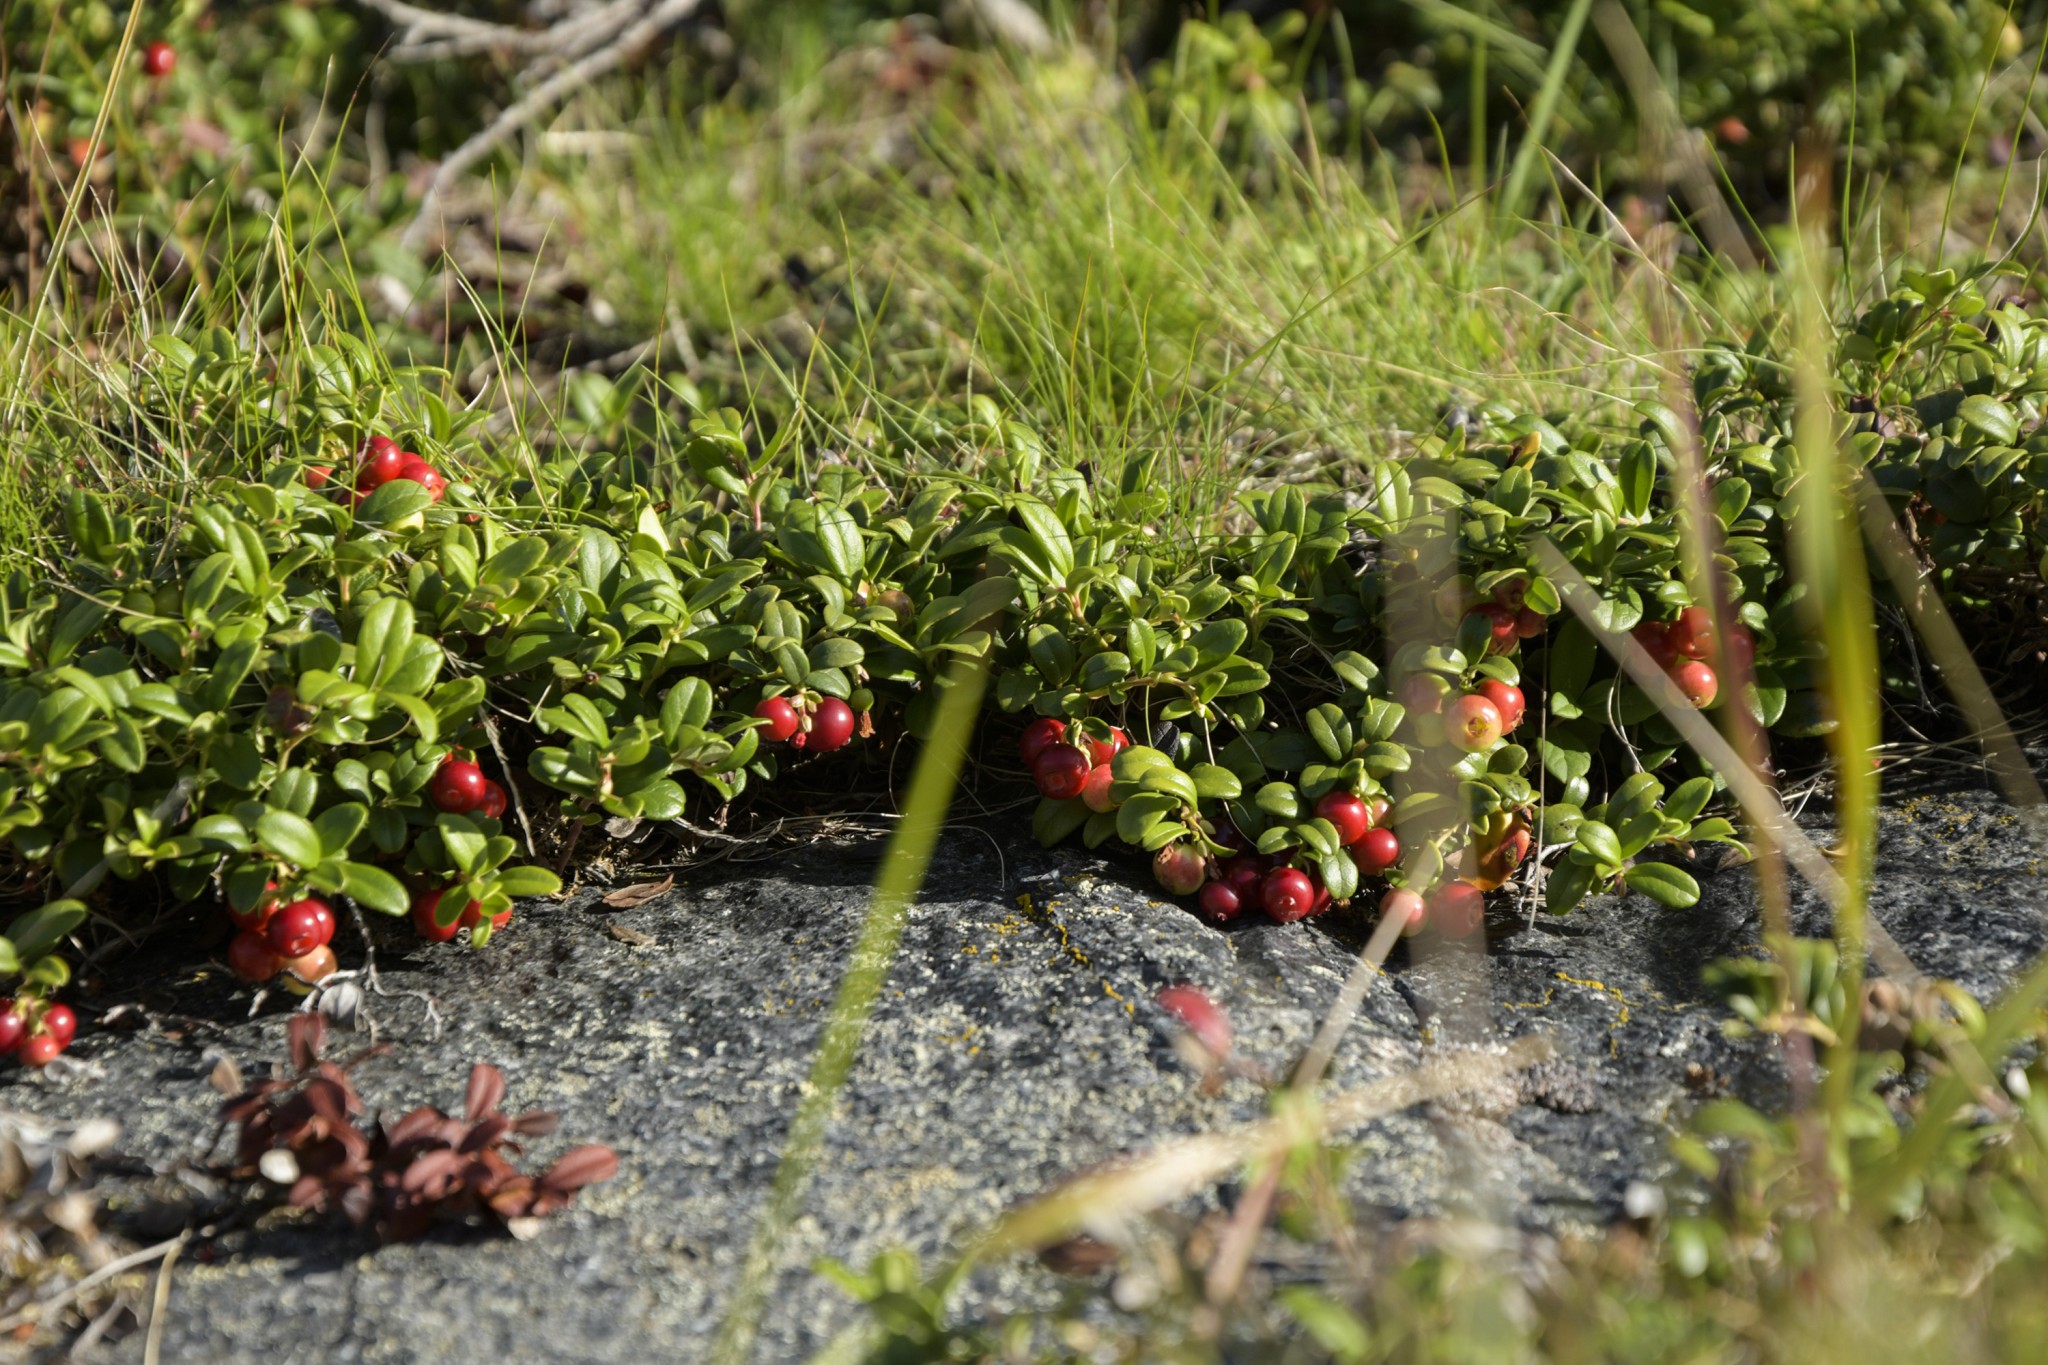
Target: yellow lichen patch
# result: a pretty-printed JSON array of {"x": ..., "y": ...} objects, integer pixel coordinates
[
  {"x": 1066, "y": 945},
  {"x": 1613, "y": 1047}
]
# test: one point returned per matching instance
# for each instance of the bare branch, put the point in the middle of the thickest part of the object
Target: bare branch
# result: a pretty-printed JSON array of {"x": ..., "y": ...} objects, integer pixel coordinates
[{"x": 542, "y": 97}]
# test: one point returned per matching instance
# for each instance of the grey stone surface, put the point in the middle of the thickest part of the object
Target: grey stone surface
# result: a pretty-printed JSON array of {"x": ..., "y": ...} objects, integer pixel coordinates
[{"x": 1015, "y": 1042}]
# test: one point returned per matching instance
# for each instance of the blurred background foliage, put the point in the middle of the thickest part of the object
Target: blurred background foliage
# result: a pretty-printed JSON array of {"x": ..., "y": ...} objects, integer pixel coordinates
[
  {"x": 1900, "y": 87},
  {"x": 912, "y": 197}
]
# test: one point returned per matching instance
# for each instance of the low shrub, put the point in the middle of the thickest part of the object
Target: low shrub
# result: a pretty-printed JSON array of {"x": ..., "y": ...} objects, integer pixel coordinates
[{"x": 266, "y": 679}]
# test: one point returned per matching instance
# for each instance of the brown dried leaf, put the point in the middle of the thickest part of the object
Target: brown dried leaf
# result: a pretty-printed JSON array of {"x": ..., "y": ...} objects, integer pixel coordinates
[
  {"x": 539, "y": 1123},
  {"x": 327, "y": 1100},
  {"x": 357, "y": 1202},
  {"x": 429, "y": 1170},
  {"x": 308, "y": 1192},
  {"x": 632, "y": 938},
  {"x": 632, "y": 897},
  {"x": 420, "y": 1124},
  {"x": 307, "y": 1032},
  {"x": 1078, "y": 1255},
  {"x": 486, "y": 1134},
  {"x": 227, "y": 1077},
  {"x": 580, "y": 1166},
  {"x": 486, "y": 1089}
]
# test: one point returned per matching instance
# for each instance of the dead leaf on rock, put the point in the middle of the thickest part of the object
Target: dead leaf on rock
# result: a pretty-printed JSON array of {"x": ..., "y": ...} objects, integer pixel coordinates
[
  {"x": 632, "y": 897},
  {"x": 631, "y": 937},
  {"x": 227, "y": 1076}
]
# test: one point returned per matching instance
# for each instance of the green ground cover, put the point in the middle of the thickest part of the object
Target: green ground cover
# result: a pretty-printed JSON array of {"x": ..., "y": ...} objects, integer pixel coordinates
[{"x": 1273, "y": 424}]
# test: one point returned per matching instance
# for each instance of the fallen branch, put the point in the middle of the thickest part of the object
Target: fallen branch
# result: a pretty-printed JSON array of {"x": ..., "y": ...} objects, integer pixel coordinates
[{"x": 542, "y": 97}]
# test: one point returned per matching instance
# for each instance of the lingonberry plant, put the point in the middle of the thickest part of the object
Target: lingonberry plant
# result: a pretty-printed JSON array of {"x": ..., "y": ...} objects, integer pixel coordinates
[{"x": 300, "y": 680}]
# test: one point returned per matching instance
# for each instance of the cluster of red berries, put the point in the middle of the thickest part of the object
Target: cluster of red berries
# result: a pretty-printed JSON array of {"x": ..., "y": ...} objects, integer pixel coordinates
[
  {"x": 293, "y": 936},
  {"x": 459, "y": 787},
  {"x": 1682, "y": 647},
  {"x": 1509, "y": 617},
  {"x": 818, "y": 726},
  {"x": 1473, "y": 722},
  {"x": 1064, "y": 768},
  {"x": 35, "y": 1031},
  {"x": 1249, "y": 880},
  {"x": 382, "y": 462},
  {"x": 283, "y": 936},
  {"x": 426, "y": 913}
]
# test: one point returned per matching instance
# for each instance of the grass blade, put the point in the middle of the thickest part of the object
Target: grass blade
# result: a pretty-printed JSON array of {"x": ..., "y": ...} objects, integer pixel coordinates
[{"x": 903, "y": 868}]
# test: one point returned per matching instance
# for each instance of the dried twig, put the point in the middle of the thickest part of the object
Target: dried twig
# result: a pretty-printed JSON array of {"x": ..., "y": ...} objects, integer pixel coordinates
[
  {"x": 45, "y": 1309},
  {"x": 1234, "y": 1252},
  {"x": 1098, "y": 1201},
  {"x": 542, "y": 97},
  {"x": 1759, "y": 803},
  {"x": 152, "y": 1350},
  {"x": 428, "y": 35}
]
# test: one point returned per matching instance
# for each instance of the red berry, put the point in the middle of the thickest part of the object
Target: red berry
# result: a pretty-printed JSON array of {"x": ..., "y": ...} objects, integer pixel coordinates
[
  {"x": 1040, "y": 735},
  {"x": 457, "y": 787},
  {"x": 1379, "y": 850},
  {"x": 257, "y": 915},
  {"x": 425, "y": 475},
  {"x": 473, "y": 913},
  {"x": 1655, "y": 638},
  {"x": 1180, "y": 868},
  {"x": 1101, "y": 751},
  {"x": 494, "y": 801},
  {"x": 1288, "y": 894},
  {"x": 1738, "y": 646},
  {"x": 159, "y": 59},
  {"x": 1510, "y": 592},
  {"x": 299, "y": 928},
  {"x": 1473, "y": 723},
  {"x": 60, "y": 1023},
  {"x": 1497, "y": 862},
  {"x": 40, "y": 1050},
  {"x": 250, "y": 958},
  {"x": 1220, "y": 902},
  {"x": 1095, "y": 790},
  {"x": 1500, "y": 622},
  {"x": 782, "y": 719},
  {"x": 1529, "y": 624},
  {"x": 1200, "y": 1015},
  {"x": 1061, "y": 772},
  {"x": 1457, "y": 909},
  {"x": 1692, "y": 634},
  {"x": 318, "y": 475},
  {"x": 381, "y": 465},
  {"x": 1507, "y": 699},
  {"x": 1379, "y": 808},
  {"x": 1404, "y": 905},
  {"x": 315, "y": 966},
  {"x": 12, "y": 1027},
  {"x": 1243, "y": 876},
  {"x": 1697, "y": 681},
  {"x": 1424, "y": 694},
  {"x": 424, "y": 907},
  {"x": 831, "y": 726},
  {"x": 1322, "y": 900},
  {"x": 1347, "y": 813}
]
